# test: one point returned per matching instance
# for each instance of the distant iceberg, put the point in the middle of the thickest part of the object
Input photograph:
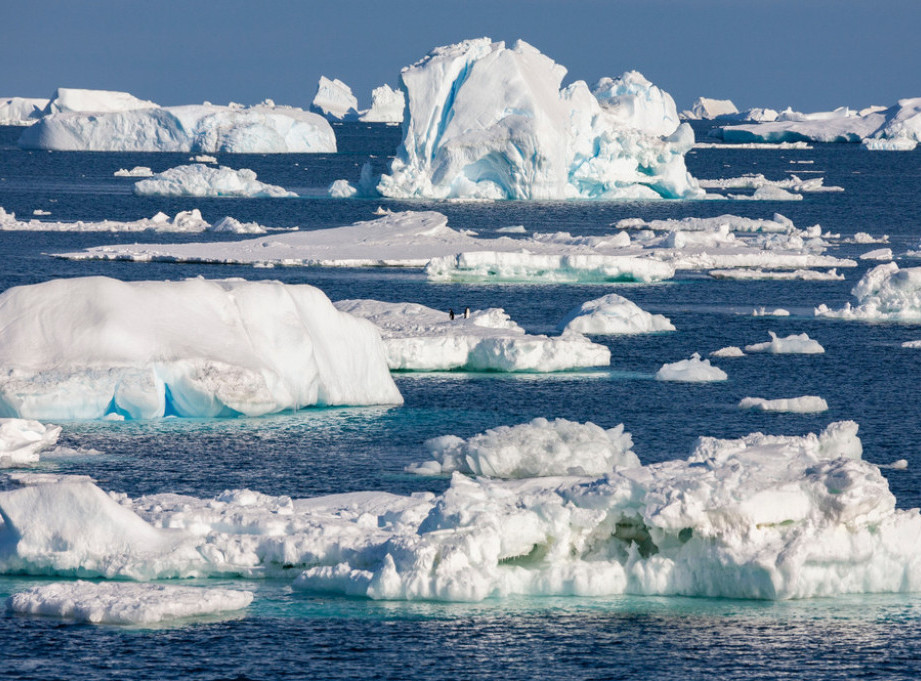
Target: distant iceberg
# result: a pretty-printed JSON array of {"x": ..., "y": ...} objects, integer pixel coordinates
[
  {"x": 807, "y": 404},
  {"x": 124, "y": 123},
  {"x": 794, "y": 344},
  {"x": 21, "y": 441},
  {"x": 87, "y": 348},
  {"x": 334, "y": 100},
  {"x": 387, "y": 106},
  {"x": 490, "y": 122},
  {"x": 199, "y": 179},
  {"x": 21, "y": 110},
  {"x": 705, "y": 108}
]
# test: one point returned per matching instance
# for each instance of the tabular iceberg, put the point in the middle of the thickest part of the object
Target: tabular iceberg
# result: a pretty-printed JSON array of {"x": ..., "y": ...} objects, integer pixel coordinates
[
  {"x": 486, "y": 121},
  {"x": 89, "y": 347},
  {"x": 199, "y": 179}
]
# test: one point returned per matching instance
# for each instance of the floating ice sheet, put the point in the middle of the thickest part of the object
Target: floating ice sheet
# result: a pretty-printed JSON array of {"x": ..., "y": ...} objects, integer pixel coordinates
[{"x": 203, "y": 180}]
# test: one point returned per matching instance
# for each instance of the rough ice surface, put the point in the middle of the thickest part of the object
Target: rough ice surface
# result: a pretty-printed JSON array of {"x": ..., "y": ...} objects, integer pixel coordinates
[
  {"x": 490, "y": 122},
  {"x": 705, "y": 108},
  {"x": 612, "y": 314},
  {"x": 693, "y": 370},
  {"x": 807, "y": 404},
  {"x": 537, "y": 449},
  {"x": 21, "y": 441},
  {"x": 758, "y": 181},
  {"x": 21, "y": 110},
  {"x": 183, "y": 221},
  {"x": 136, "y": 171},
  {"x": 729, "y": 351},
  {"x": 88, "y": 347},
  {"x": 884, "y": 294},
  {"x": 387, "y": 106},
  {"x": 204, "y": 128},
  {"x": 914, "y": 344},
  {"x": 202, "y": 180},
  {"x": 125, "y": 603},
  {"x": 334, "y": 100},
  {"x": 794, "y": 344},
  {"x": 419, "y": 338}
]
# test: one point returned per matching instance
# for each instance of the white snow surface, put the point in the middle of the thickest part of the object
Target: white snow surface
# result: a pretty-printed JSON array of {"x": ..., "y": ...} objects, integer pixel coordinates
[
  {"x": 86, "y": 348},
  {"x": 334, "y": 100},
  {"x": 612, "y": 314},
  {"x": 183, "y": 221},
  {"x": 885, "y": 293},
  {"x": 202, "y": 128},
  {"x": 21, "y": 110},
  {"x": 490, "y": 122},
  {"x": 794, "y": 344},
  {"x": 419, "y": 338},
  {"x": 75, "y": 100},
  {"x": 693, "y": 370},
  {"x": 763, "y": 516},
  {"x": 540, "y": 448},
  {"x": 21, "y": 441},
  {"x": 125, "y": 602},
  {"x": 758, "y": 181},
  {"x": 705, "y": 108},
  {"x": 387, "y": 106},
  {"x": 807, "y": 404},
  {"x": 203, "y": 180}
]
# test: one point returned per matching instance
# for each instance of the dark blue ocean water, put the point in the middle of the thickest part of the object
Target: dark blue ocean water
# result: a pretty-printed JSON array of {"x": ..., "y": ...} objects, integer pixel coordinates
[{"x": 864, "y": 375}]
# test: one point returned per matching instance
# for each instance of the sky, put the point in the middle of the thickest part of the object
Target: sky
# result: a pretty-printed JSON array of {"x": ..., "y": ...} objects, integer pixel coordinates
[{"x": 809, "y": 54}]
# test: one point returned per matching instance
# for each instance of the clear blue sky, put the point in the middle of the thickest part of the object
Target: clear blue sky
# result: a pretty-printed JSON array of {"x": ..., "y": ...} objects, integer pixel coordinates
[{"x": 811, "y": 54}]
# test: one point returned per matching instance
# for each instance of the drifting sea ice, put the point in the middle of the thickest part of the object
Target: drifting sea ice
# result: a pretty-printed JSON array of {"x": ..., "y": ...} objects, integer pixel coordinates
[
  {"x": 807, "y": 404},
  {"x": 201, "y": 180},
  {"x": 21, "y": 441},
  {"x": 612, "y": 314},
  {"x": 89, "y": 347},
  {"x": 537, "y": 449},
  {"x": 729, "y": 351},
  {"x": 693, "y": 370},
  {"x": 758, "y": 181},
  {"x": 184, "y": 221},
  {"x": 793, "y": 344},
  {"x": 792, "y": 275},
  {"x": 764, "y": 312},
  {"x": 419, "y": 338},
  {"x": 884, "y": 294},
  {"x": 877, "y": 254},
  {"x": 125, "y": 603},
  {"x": 136, "y": 171}
]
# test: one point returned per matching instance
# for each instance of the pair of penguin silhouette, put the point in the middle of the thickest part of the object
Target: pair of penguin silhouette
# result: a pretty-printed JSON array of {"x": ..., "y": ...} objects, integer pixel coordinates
[{"x": 451, "y": 314}]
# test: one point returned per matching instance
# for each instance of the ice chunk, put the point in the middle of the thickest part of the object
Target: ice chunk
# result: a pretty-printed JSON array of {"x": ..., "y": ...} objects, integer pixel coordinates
[
  {"x": 793, "y": 344},
  {"x": 705, "y": 108},
  {"x": 21, "y": 110},
  {"x": 885, "y": 293},
  {"x": 21, "y": 440},
  {"x": 537, "y": 449},
  {"x": 334, "y": 100},
  {"x": 205, "y": 128},
  {"x": 125, "y": 603},
  {"x": 88, "y": 347},
  {"x": 729, "y": 351},
  {"x": 759, "y": 181},
  {"x": 419, "y": 338},
  {"x": 183, "y": 221},
  {"x": 693, "y": 370},
  {"x": 877, "y": 254},
  {"x": 764, "y": 312},
  {"x": 136, "y": 171},
  {"x": 203, "y": 158},
  {"x": 202, "y": 180},
  {"x": 807, "y": 404},
  {"x": 792, "y": 275},
  {"x": 612, "y": 314},
  {"x": 490, "y": 122},
  {"x": 387, "y": 106}
]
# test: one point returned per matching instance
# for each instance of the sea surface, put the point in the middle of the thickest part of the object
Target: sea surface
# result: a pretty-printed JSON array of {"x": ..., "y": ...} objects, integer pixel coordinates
[{"x": 864, "y": 375}]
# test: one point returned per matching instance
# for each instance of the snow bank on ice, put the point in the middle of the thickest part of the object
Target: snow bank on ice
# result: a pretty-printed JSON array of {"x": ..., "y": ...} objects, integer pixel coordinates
[
  {"x": 199, "y": 179},
  {"x": 85, "y": 348},
  {"x": 490, "y": 122},
  {"x": 884, "y": 294},
  {"x": 125, "y": 603}
]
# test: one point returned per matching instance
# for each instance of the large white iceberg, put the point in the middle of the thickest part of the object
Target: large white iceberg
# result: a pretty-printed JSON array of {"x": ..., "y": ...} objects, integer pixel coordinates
[
  {"x": 886, "y": 293},
  {"x": 537, "y": 449},
  {"x": 199, "y": 179},
  {"x": 125, "y": 602},
  {"x": 76, "y": 100},
  {"x": 486, "y": 121},
  {"x": 613, "y": 314},
  {"x": 89, "y": 347},
  {"x": 262, "y": 129},
  {"x": 387, "y": 106},
  {"x": 334, "y": 100},
  {"x": 419, "y": 338},
  {"x": 21, "y": 110},
  {"x": 188, "y": 221},
  {"x": 705, "y": 108}
]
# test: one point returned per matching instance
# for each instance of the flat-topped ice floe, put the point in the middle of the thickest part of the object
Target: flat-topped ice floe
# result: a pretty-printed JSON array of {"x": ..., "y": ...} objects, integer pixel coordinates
[
  {"x": 763, "y": 516},
  {"x": 90, "y": 347},
  {"x": 537, "y": 449},
  {"x": 884, "y": 294},
  {"x": 612, "y": 315},
  {"x": 184, "y": 221},
  {"x": 794, "y": 344},
  {"x": 260, "y": 129},
  {"x": 21, "y": 441},
  {"x": 419, "y": 338},
  {"x": 199, "y": 179},
  {"x": 693, "y": 370},
  {"x": 490, "y": 122},
  {"x": 807, "y": 404},
  {"x": 125, "y": 603}
]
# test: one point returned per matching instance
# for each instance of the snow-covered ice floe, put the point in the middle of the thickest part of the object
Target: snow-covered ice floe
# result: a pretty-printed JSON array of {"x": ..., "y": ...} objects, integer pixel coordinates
[
  {"x": 184, "y": 221},
  {"x": 199, "y": 179},
  {"x": 125, "y": 602},
  {"x": 765, "y": 312},
  {"x": 884, "y": 294},
  {"x": 419, "y": 338},
  {"x": 693, "y": 370},
  {"x": 136, "y": 171},
  {"x": 612, "y": 314},
  {"x": 729, "y": 351},
  {"x": 807, "y": 404},
  {"x": 90, "y": 347},
  {"x": 877, "y": 254},
  {"x": 763, "y": 516},
  {"x": 22, "y": 440},
  {"x": 490, "y": 122},
  {"x": 770, "y": 190},
  {"x": 794, "y": 344},
  {"x": 754, "y": 145},
  {"x": 96, "y": 120},
  {"x": 537, "y": 449}
]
